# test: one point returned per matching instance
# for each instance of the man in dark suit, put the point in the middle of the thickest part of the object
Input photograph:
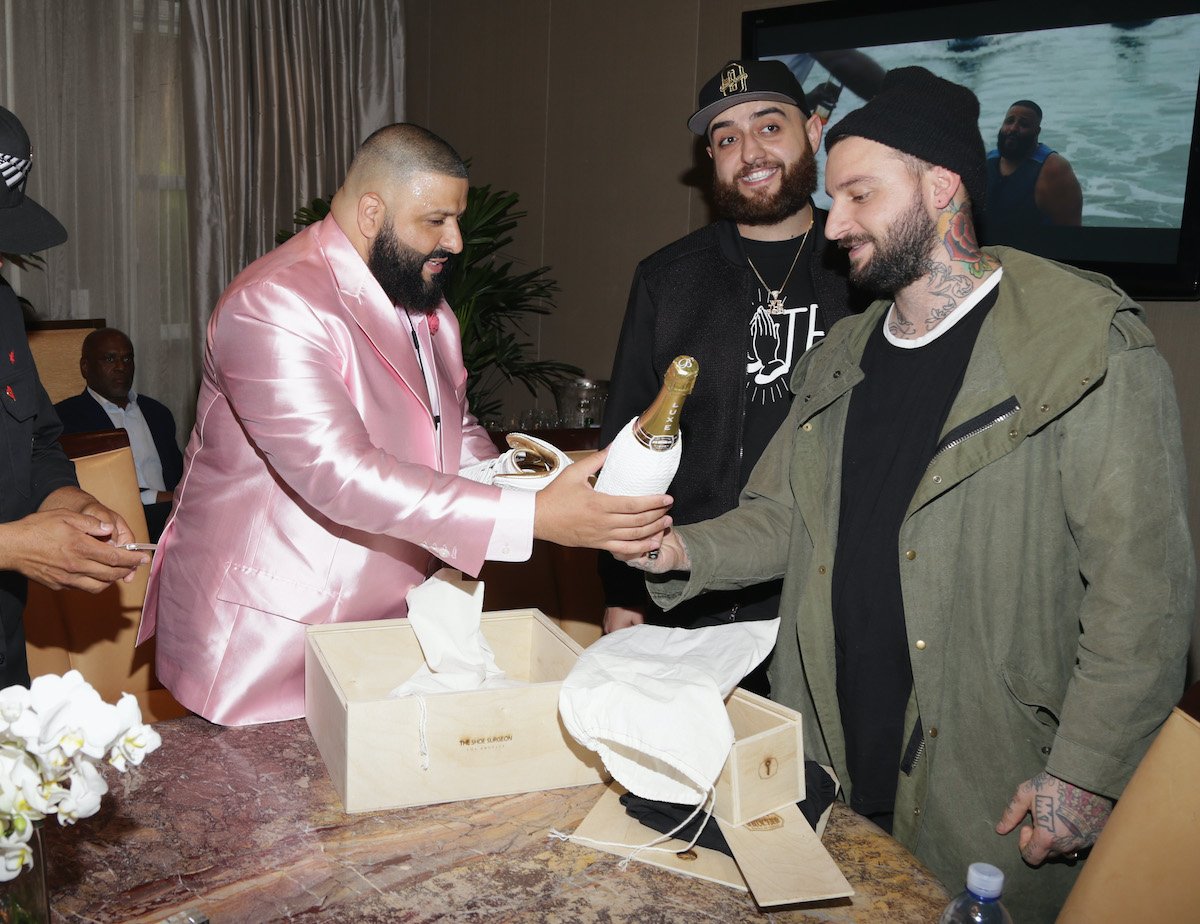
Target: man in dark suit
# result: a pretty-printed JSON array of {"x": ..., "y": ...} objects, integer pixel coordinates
[{"x": 110, "y": 401}]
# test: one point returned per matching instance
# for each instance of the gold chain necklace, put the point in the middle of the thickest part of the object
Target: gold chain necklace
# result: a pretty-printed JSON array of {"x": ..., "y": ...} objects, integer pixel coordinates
[{"x": 774, "y": 301}]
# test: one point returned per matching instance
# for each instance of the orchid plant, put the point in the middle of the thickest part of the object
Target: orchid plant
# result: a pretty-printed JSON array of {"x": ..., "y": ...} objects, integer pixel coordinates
[{"x": 53, "y": 736}]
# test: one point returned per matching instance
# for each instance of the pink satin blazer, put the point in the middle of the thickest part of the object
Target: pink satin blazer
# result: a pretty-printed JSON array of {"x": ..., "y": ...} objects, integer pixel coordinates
[{"x": 316, "y": 487}]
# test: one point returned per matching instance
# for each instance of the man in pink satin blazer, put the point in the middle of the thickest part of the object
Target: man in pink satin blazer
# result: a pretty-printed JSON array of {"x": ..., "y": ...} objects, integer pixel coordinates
[{"x": 320, "y": 479}]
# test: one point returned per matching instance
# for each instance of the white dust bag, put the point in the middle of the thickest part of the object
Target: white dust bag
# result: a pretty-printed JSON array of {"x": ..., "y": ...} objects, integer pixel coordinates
[
  {"x": 651, "y": 702},
  {"x": 445, "y": 614}
]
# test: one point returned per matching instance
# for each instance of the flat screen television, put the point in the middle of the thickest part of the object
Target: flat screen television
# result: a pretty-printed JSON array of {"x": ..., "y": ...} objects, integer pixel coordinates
[{"x": 1118, "y": 94}]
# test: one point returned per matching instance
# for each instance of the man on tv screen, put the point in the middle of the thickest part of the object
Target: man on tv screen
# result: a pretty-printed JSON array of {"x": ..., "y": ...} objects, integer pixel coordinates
[{"x": 1030, "y": 185}]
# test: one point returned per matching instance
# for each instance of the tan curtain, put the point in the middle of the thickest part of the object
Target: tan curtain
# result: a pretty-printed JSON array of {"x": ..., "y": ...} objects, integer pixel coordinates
[
  {"x": 97, "y": 86},
  {"x": 174, "y": 138},
  {"x": 279, "y": 95}
]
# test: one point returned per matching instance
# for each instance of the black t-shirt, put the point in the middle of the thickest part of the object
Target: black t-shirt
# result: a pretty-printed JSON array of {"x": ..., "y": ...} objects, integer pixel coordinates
[
  {"x": 893, "y": 424},
  {"x": 777, "y": 340}
]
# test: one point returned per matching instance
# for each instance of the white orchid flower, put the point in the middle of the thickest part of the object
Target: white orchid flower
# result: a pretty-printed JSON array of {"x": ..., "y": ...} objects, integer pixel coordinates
[
  {"x": 52, "y": 737},
  {"x": 15, "y": 857},
  {"x": 136, "y": 740},
  {"x": 14, "y": 701},
  {"x": 83, "y": 798}
]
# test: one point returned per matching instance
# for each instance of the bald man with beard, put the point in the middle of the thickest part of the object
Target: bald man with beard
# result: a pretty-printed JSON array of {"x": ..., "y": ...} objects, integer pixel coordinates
[{"x": 321, "y": 480}]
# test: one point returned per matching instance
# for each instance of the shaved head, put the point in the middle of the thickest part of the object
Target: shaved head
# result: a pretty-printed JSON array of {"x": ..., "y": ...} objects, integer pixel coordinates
[{"x": 395, "y": 152}]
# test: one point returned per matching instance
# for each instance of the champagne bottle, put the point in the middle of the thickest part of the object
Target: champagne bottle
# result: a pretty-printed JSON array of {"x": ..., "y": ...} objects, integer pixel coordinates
[{"x": 644, "y": 456}]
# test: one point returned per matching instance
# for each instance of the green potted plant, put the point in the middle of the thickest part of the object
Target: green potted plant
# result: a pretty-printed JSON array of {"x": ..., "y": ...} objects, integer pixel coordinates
[{"x": 490, "y": 299}]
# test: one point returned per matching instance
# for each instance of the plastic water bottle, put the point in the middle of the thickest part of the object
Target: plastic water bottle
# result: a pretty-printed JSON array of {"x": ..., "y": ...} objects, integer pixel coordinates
[{"x": 980, "y": 903}]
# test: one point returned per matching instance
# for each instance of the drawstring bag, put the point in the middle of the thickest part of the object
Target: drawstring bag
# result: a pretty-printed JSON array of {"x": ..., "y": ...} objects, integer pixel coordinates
[{"x": 650, "y": 700}]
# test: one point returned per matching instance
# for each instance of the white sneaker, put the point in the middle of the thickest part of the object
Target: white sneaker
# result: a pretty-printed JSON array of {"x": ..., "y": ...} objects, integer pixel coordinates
[{"x": 529, "y": 465}]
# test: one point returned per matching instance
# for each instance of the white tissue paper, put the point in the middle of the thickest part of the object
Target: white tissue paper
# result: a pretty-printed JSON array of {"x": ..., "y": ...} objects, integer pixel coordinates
[
  {"x": 445, "y": 613},
  {"x": 632, "y": 470},
  {"x": 651, "y": 702},
  {"x": 529, "y": 464}
]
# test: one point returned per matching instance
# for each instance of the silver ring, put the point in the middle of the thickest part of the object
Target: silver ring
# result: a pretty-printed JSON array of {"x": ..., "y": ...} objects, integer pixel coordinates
[{"x": 653, "y": 556}]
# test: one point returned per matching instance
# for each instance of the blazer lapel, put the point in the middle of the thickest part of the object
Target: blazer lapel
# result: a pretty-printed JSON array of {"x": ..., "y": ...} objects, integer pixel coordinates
[{"x": 370, "y": 310}]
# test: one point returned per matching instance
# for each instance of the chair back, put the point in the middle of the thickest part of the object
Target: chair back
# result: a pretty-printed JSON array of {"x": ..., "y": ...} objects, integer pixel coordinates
[
  {"x": 1144, "y": 865},
  {"x": 96, "y": 633},
  {"x": 56, "y": 347}
]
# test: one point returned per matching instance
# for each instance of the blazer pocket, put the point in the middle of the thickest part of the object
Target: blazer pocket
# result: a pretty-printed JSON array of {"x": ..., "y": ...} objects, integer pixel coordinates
[{"x": 270, "y": 593}]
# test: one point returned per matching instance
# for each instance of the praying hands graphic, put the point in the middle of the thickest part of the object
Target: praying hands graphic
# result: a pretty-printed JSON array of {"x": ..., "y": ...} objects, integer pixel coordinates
[{"x": 765, "y": 344}]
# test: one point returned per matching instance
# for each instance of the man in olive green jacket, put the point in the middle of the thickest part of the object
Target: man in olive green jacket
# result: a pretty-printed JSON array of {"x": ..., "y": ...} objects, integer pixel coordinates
[{"x": 1045, "y": 570}]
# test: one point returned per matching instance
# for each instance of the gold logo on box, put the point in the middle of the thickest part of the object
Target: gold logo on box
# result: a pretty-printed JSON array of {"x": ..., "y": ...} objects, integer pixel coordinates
[
  {"x": 484, "y": 741},
  {"x": 766, "y": 823},
  {"x": 768, "y": 768}
]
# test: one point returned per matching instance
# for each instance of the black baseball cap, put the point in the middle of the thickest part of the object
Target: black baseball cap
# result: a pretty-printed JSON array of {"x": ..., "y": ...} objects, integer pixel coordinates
[
  {"x": 25, "y": 227},
  {"x": 742, "y": 81}
]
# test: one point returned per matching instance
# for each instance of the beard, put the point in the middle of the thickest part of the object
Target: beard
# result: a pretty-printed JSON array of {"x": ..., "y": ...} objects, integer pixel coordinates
[
  {"x": 1014, "y": 147},
  {"x": 901, "y": 256},
  {"x": 397, "y": 268},
  {"x": 797, "y": 182}
]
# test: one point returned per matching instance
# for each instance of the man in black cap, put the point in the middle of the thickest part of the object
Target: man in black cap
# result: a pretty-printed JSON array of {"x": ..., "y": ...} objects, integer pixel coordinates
[
  {"x": 746, "y": 296},
  {"x": 50, "y": 530},
  {"x": 978, "y": 505}
]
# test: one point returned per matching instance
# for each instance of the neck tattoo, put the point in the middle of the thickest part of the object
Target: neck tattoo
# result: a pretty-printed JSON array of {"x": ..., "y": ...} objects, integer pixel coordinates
[{"x": 775, "y": 298}]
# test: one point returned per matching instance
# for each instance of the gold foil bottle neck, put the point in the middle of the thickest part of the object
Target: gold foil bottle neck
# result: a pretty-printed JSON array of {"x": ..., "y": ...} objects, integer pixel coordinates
[{"x": 658, "y": 428}]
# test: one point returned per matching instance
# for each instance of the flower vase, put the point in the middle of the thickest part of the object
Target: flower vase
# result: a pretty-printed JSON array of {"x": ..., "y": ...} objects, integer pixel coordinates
[{"x": 26, "y": 900}]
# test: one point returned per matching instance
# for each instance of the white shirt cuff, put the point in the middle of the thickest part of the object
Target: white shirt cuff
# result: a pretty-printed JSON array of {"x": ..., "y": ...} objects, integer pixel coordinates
[
  {"x": 512, "y": 536},
  {"x": 149, "y": 496}
]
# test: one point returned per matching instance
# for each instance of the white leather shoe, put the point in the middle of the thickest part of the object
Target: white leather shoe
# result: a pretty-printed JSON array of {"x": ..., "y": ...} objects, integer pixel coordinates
[{"x": 529, "y": 465}]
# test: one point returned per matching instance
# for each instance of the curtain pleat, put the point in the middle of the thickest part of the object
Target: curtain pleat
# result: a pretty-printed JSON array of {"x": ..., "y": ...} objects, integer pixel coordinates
[
  {"x": 281, "y": 93},
  {"x": 173, "y": 138}
]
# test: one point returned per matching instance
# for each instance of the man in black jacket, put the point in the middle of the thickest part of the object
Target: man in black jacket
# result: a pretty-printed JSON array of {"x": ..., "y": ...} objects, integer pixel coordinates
[
  {"x": 746, "y": 296},
  {"x": 50, "y": 530},
  {"x": 109, "y": 400}
]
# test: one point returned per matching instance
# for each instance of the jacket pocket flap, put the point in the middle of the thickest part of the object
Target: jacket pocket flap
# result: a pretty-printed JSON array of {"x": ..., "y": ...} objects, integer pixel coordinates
[
  {"x": 276, "y": 595},
  {"x": 19, "y": 395},
  {"x": 1045, "y": 704}
]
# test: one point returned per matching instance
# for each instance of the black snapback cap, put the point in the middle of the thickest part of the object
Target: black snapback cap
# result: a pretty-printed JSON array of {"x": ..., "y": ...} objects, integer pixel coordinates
[{"x": 741, "y": 82}]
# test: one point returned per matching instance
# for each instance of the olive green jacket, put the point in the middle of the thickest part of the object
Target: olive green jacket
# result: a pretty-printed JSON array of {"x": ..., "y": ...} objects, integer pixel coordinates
[{"x": 1046, "y": 566}]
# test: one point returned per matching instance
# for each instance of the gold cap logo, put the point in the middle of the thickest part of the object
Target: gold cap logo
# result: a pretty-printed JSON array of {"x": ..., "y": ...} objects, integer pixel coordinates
[{"x": 733, "y": 80}]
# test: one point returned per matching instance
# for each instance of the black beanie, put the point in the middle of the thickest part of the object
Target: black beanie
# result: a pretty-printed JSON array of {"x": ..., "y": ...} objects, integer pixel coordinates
[{"x": 921, "y": 114}]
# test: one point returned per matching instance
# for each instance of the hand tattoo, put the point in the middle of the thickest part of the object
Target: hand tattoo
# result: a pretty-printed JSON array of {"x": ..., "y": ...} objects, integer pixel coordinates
[{"x": 1066, "y": 818}]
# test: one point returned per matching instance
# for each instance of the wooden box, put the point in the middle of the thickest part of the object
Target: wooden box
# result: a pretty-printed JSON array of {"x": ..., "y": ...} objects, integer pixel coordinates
[
  {"x": 383, "y": 753},
  {"x": 765, "y": 768}
]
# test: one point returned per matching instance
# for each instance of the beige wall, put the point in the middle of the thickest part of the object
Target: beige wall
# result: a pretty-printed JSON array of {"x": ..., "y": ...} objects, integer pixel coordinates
[{"x": 580, "y": 107}]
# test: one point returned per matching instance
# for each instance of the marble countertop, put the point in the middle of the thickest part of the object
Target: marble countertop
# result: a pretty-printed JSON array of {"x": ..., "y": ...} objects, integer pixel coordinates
[{"x": 243, "y": 825}]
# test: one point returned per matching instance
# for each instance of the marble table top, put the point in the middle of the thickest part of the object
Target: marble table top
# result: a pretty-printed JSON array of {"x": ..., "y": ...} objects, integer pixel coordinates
[{"x": 243, "y": 825}]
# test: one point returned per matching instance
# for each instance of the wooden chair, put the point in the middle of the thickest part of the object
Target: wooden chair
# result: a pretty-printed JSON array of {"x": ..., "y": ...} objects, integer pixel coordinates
[
  {"x": 95, "y": 633},
  {"x": 56, "y": 347},
  {"x": 1144, "y": 865}
]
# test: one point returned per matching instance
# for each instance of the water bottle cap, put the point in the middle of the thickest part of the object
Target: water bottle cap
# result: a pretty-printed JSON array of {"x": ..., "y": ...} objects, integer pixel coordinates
[{"x": 985, "y": 880}]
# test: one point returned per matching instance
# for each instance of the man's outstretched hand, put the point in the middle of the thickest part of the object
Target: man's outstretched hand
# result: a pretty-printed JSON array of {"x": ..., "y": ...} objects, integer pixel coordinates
[{"x": 571, "y": 512}]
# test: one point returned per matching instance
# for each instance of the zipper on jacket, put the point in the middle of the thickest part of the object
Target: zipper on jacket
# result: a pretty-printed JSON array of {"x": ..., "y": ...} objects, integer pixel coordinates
[
  {"x": 977, "y": 425},
  {"x": 915, "y": 750}
]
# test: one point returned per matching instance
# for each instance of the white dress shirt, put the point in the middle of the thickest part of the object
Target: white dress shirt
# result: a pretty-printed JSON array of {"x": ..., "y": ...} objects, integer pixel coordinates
[{"x": 145, "y": 453}]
